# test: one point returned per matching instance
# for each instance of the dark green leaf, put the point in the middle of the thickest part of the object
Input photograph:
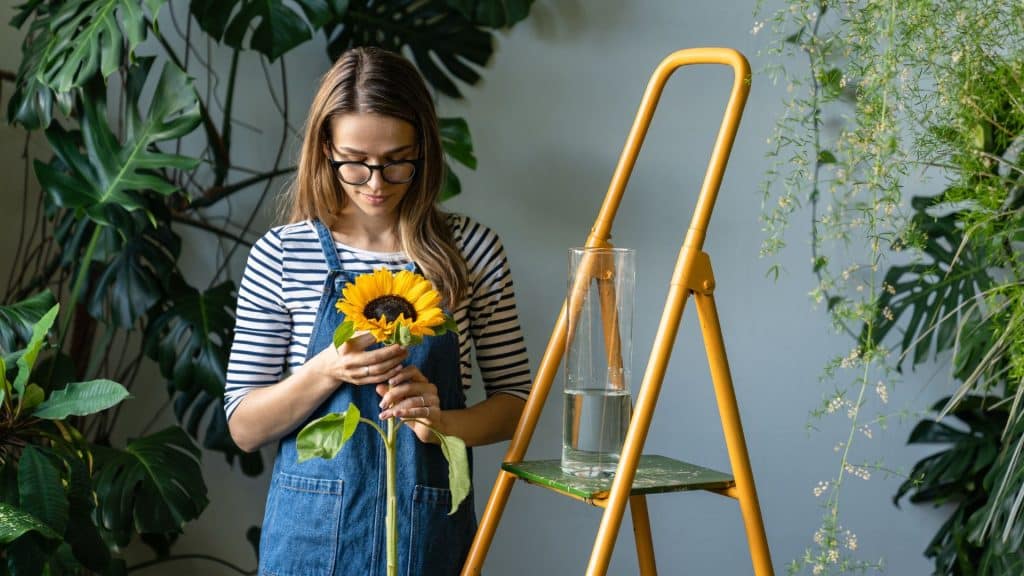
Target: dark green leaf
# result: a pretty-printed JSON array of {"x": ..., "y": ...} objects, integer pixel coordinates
[
  {"x": 35, "y": 344},
  {"x": 32, "y": 397},
  {"x": 31, "y": 105},
  {"x": 81, "y": 398},
  {"x": 14, "y": 522},
  {"x": 343, "y": 333},
  {"x": 436, "y": 35},
  {"x": 42, "y": 494},
  {"x": 191, "y": 340},
  {"x": 16, "y": 320},
  {"x": 139, "y": 259},
  {"x": 276, "y": 26},
  {"x": 493, "y": 13},
  {"x": 831, "y": 83},
  {"x": 112, "y": 172},
  {"x": 88, "y": 35},
  {"x": 459, "y": 481},
  {"x": 327, "y": 435},
  {"x": 154, "y": 485},
  {"x": 457, "y": 142},
  {"x": 451, "y": 186},
  {"x": 826, "y": 157}
]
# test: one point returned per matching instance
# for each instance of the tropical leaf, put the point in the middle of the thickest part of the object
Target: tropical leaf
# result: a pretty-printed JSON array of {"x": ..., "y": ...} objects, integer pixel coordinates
[
  {"x": 432, "y": 30},
  {"x": 192, "y": 337},
  {"x": 458, "y": 146},
  {"x": 14, "y": 522},
  {"x": 139, "y": 259},
  {"x": 493, "y": 13},
  {"x": 154, "y": 485},
  {"x": 932, "y": 298},
  {"x": 42, "y": 494},
  {"x": 111, "y": 173},
  {"x": 89, "y": 35},
  {"x": 327, "y": 435},
  {"x": 16, "y": 320},
  {"x": 31, "y": 104},
  {"x": 191, "y": 340},
  {"x": 81, "y": 398},
  {"x": 35, "y": 344},
  {"x": 276, "y": 26}
]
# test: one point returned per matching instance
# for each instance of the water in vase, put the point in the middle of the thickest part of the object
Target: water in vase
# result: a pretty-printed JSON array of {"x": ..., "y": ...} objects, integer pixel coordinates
[{"x": 595, "y": 422}]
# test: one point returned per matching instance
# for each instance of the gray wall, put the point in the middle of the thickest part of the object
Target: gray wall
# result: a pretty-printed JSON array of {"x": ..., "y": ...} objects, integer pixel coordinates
[{"x": 548, "y": 121}]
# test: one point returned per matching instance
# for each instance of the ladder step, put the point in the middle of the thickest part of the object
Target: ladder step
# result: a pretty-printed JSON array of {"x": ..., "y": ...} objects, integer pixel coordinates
[{"x": 655, "y": 474}]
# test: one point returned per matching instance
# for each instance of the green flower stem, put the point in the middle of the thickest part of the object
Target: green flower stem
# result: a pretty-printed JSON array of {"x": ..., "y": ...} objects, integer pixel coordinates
[
  {"x": 383, "y": 436},
  {"x": 390, "y": 522}
]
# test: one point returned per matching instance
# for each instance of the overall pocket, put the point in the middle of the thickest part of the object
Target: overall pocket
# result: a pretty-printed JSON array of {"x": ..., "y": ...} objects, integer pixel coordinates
[
  {"x": 300, "y": 527},
  {"x": 438, "y": 543}
]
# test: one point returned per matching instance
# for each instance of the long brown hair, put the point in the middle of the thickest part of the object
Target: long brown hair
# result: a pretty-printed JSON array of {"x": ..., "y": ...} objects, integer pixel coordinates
[{"x": 372, "y": 80}]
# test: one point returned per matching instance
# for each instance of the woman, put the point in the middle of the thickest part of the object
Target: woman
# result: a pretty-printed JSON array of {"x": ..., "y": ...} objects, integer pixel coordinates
[{"x": 364, "y": 197}]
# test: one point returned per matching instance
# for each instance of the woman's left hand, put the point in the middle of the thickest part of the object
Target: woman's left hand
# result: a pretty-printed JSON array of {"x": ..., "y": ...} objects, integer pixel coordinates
[{"x": 414, "y": 399}]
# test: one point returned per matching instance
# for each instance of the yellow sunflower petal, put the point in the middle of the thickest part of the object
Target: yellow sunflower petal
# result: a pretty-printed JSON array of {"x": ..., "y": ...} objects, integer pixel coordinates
[
  {"x": 430, "y": 299},
  {"x": 403, "y": 282}
]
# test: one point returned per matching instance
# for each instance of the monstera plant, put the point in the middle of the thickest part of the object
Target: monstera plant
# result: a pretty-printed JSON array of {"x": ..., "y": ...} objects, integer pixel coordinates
[{"x": 141, "y": 125}]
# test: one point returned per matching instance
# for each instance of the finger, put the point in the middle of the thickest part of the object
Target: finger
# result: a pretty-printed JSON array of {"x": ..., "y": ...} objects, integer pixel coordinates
[
  {"x": 380, "y": 355},
  {"x": 357, "y": 343},
  {"x": 373, "y": 373},
  {"x": 409, "y": 398},
  {"x": 407, "y": 374}
]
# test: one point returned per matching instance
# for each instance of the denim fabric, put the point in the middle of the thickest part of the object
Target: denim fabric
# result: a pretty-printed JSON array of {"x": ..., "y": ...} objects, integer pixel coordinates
[{"x": 326, "y": 517}]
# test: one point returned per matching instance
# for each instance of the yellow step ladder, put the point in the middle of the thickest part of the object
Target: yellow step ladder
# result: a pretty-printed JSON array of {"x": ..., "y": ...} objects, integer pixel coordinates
[{"x": 637, "y": 475}]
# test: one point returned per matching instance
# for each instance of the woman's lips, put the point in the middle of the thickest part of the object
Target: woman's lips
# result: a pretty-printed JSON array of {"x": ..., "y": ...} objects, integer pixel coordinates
[{"x": 375, "y": 200}]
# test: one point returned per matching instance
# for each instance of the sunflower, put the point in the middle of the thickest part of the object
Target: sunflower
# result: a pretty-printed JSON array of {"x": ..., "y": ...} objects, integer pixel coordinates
[{"x": 402, "y": 307}]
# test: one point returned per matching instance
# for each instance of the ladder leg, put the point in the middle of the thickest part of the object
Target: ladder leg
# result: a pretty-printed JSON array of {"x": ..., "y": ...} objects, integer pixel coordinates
[
  {"x": 746, "y": 493},
  {"x": 488, "y": 524},
  {"x": 642, "y": 534}
]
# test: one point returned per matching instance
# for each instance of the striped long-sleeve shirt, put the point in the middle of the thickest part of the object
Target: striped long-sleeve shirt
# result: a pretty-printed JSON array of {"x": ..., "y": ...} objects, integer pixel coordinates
[{"x": 283, "y": 283}]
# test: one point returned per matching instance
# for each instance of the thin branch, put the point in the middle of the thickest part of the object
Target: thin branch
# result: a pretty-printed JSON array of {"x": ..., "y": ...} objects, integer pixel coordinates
[
  {"x": 210, "y": 228},
  {"x": 215, "y": 193}
]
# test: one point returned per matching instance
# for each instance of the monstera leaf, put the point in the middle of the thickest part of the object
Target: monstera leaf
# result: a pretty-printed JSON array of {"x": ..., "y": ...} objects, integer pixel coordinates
[
  {"x": 433, "y": 31},
  {"x": 154, "y": 485},
  {"x": 930, "y": 296},
  {"x": 190, "y": 341},
  {"x": 14, "y": 522},
  {"x": 31, "y": 105},
  {"x": 16, "y": 320},
  {"x": 278, "y": 27},
  {"x": 493, "y": 13},
  {"x": 139, "y": 258},
  {"x": 111, "y": 173},
  {"x": 458, "y": 146},
  {"x": 89, "y": 35}
]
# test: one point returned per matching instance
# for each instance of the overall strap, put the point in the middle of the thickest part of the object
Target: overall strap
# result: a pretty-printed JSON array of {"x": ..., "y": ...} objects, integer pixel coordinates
[{"x": 327, "y": 245}]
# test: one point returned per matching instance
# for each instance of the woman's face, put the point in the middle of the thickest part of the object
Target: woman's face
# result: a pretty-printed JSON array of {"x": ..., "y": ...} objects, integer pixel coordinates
[{"x": 375, "y": 140}]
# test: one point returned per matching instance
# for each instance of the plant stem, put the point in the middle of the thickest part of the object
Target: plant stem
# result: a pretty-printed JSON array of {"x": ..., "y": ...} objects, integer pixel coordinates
[
  {"x": 225, "y": 563},
  {"x": 83, "y": 270},
  {"x": 390, "y": 521}
]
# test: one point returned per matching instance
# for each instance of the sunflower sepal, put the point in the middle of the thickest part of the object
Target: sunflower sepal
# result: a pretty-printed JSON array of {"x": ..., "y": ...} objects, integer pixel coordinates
[
  {"x": 449, "y": 326},
  {"x": 343, "y": 333}
]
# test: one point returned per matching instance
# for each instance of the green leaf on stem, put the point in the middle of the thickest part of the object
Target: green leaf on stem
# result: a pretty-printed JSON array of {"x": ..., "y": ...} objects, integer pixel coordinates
[
  {"x": 40, "y": 490},
  {"x": 32, "y": 397},
  {"x": 449, "y": 325},
  {"x": 459, "y": 482},
  {"x": 80, "y": 399},
  {"x": 327, "y": 435},
  {"x": 14, "y": 522},
  {"x": 343, "y": 333},
  {"x": 28, "y": 359},
  {"x": 17, "y": 319}
]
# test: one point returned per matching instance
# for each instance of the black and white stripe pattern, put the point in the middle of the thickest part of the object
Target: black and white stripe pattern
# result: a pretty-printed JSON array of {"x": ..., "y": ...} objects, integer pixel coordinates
[{"x": 283, "y": 283}]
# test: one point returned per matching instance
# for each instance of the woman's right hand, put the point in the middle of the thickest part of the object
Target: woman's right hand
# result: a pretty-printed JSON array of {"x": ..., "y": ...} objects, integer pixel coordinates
[{"x": 352, "y": 363}]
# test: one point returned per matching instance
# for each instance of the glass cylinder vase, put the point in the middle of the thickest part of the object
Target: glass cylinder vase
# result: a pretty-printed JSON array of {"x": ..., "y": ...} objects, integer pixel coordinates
[{"x": 598, "y": 354}]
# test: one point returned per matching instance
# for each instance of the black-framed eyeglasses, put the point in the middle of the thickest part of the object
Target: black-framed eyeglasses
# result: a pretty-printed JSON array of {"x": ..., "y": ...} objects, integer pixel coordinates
[{"x": 357, "y": 172}]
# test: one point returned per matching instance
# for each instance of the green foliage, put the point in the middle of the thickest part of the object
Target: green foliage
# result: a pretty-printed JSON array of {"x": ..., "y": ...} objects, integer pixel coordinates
[
  {"x": 111, "y": 172},
  {"x": 327, "y": 435},
  {"x": 892, "y": 89},
  {"x": 153, "y": 486},
  {"x": 129, "y": 174},
  {"x": 16, "y": 321},
  {"x": 459, "y": 479}
]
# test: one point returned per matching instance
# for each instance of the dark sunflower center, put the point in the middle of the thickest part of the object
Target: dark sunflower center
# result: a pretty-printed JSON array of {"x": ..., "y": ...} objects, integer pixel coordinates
[{"x": 390, "y": 307}]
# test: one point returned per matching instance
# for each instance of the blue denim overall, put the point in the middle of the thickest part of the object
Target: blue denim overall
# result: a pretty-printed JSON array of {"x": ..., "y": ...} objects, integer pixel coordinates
[{"x": 326, "y": 517}]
